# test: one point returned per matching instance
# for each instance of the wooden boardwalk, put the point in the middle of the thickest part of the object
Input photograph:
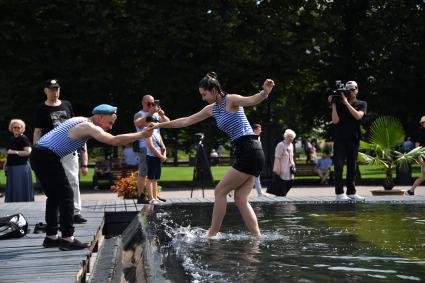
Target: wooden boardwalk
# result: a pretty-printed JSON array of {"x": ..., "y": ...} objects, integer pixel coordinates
[{"x": 26, "y": 260}]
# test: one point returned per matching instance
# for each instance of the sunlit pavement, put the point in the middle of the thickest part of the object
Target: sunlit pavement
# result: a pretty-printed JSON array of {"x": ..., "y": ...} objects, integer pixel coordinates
[{"x": 296, "y": 192}]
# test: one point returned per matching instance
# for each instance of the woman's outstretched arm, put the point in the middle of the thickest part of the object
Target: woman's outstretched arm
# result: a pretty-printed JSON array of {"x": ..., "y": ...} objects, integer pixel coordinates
[
  {"x": 238, "y": 100},
  {"x": 190, "y": 120}
]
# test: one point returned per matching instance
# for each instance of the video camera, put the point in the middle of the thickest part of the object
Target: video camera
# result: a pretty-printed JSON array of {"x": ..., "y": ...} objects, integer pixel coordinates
[{"x": 336, "y": 93}]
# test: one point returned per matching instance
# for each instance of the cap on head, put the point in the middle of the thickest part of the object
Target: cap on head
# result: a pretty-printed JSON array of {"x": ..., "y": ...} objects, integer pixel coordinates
[
  {"x": 53, "y": 83},
  {"x": 351, "y": 85},
  {"x": 104, "y": 109},
  {"x": 422, "y": 120}
]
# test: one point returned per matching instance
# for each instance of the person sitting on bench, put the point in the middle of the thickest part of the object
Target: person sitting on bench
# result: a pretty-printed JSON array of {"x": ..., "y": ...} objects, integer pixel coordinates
[
  {"x": 102, "y": 171},
  {"x": 128, "y": 158},
  {"x": 323, "y": 167}
]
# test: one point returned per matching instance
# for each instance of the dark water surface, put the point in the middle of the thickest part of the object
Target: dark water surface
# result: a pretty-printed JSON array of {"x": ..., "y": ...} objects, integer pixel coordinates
[{"x": 299, "y": 243}]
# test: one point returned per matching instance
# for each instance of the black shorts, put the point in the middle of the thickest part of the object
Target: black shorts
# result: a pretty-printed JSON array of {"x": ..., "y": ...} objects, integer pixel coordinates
[
  {"x": 249, "y": 155},
  {"x": 154, "y": 167}
]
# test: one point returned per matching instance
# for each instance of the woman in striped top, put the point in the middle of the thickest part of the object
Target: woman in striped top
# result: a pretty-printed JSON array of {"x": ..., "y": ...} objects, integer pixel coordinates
[{"x": 230, "y": 116}]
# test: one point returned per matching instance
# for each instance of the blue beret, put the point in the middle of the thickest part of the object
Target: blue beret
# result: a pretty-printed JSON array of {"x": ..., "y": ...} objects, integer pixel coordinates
[{"x": 104, "y": 109}]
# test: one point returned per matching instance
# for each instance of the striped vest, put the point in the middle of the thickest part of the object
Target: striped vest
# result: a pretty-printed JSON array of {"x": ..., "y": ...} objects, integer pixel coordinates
[
  {"x": 234, "y": 124},
  {"x": 58, "y": 141}
]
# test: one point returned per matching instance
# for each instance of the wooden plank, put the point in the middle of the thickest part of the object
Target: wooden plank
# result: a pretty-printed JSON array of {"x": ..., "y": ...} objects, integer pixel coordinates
[{"x": 53, "y": 278}]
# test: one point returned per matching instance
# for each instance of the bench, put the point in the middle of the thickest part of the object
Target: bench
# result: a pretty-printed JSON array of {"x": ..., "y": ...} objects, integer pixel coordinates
[
  {"x": 309, "y": 169},
  {"x": 306, "y": 169},
  {"x": 119, "y": 172}
]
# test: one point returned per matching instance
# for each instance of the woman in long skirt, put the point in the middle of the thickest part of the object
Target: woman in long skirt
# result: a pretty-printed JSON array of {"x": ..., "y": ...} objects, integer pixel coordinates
[{"x": 19, "y": 177}]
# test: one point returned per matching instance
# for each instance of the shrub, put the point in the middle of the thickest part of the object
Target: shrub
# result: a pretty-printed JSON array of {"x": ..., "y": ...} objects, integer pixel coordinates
[{"x": 126, "y": 187}]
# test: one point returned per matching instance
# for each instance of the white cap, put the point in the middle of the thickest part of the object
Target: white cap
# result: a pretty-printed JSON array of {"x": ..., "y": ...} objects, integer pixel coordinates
[
  {"x": 422, "y": 119},
  {"x": 351, "y": 85}
]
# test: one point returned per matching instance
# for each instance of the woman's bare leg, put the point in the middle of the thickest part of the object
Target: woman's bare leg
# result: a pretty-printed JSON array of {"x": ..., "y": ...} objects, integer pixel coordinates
[
  {"x": 417, "y": 182},
  {"x": 245, "y": 209},
  {"x": 232, "y": 180}
]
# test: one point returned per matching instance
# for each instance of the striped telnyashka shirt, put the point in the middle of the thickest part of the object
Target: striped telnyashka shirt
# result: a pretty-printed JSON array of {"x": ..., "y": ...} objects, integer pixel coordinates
[
  {"x": 58, "y": 141},
  {"x": 235, "y": 124}
]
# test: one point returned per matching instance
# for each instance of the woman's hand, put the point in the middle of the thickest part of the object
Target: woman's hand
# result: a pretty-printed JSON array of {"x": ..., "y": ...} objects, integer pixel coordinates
[
  {"x": 154, "y": 125},
  {"x": 268, "y": 86},
  {"x": 147, "y": 131}
]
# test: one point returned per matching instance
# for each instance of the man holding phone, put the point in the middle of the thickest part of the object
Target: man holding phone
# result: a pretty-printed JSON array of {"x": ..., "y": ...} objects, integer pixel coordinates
[{"x": 151, "y": 112}]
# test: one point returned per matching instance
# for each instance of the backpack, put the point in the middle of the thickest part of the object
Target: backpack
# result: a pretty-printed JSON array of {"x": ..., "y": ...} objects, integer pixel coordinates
[
  {"x": 136, "y": 147},
  {"x": 13, "y": 226}
]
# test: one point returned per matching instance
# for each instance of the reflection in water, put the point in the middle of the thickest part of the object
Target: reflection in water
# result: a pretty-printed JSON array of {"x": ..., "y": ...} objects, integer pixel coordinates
[{"x": 299, "y": 243}]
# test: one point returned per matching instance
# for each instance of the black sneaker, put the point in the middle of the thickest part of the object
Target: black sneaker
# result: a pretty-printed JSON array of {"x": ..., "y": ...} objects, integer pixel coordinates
[
  {"x": 142, "y": 200},
  {"x": 49, "y": 243},
  {"x": 409, "y": 193},
  {"x": 40, "y": 228},
  {"x": 79, "y": 219},
  {"x": 72, "y": 246}
]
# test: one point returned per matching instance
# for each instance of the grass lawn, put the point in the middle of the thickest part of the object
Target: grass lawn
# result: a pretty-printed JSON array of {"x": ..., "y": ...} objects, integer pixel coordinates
[{"x": 185, "y": 173}]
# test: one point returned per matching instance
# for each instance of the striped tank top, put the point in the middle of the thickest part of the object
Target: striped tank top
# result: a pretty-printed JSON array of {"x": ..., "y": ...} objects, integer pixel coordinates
[
  {"x": 234, "y": 124},
  {"x": 58, "y": 141}
]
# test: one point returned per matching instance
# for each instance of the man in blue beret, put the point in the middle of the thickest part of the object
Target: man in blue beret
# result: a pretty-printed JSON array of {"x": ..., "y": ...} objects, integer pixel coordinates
[{"x": 45, "y": 161}]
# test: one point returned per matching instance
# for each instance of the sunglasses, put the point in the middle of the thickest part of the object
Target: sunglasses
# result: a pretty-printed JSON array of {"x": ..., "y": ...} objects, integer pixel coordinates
[{"x": 150, "y": 103}]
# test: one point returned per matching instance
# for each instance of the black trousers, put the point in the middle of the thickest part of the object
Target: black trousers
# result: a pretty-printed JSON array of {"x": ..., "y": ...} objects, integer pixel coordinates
[
  {"x": 345, "y": 150},
  {"x": 48, "y": 169}
]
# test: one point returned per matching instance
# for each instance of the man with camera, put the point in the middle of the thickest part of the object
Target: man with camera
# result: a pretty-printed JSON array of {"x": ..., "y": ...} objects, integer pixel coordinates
[{"x": 347, "y": 113}]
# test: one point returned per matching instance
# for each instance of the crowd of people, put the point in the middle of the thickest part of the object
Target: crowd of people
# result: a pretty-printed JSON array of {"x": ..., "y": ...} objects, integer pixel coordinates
[{"x": 58, "y": 153}]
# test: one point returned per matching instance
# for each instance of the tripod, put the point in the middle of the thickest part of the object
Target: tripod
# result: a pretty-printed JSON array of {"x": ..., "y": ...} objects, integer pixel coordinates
[{"x": 202, "y": 171}]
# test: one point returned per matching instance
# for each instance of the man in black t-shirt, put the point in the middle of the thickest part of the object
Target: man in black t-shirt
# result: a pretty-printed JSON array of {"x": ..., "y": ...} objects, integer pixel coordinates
[
  {"x": 419, "y": 140},
  {"x": 347, "y": 113},
  {"x": 50, "y": 114}
]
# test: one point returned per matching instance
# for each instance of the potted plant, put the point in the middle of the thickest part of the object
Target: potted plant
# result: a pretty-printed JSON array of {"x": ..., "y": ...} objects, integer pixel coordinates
[{"x": 386, "y": 134}]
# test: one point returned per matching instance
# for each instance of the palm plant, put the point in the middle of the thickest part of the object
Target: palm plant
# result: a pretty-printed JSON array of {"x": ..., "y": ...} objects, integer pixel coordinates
[{"x": 386, "y": 134}]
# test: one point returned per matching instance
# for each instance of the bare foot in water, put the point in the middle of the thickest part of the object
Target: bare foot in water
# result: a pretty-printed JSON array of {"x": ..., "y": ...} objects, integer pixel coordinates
[{"x": 211, "y": 235}]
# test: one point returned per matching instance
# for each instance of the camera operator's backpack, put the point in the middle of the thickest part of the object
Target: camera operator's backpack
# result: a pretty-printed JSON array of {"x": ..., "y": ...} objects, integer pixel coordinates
[
  {"x": 13, "y": 226},
  {"x": 136, "y": 147}
]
